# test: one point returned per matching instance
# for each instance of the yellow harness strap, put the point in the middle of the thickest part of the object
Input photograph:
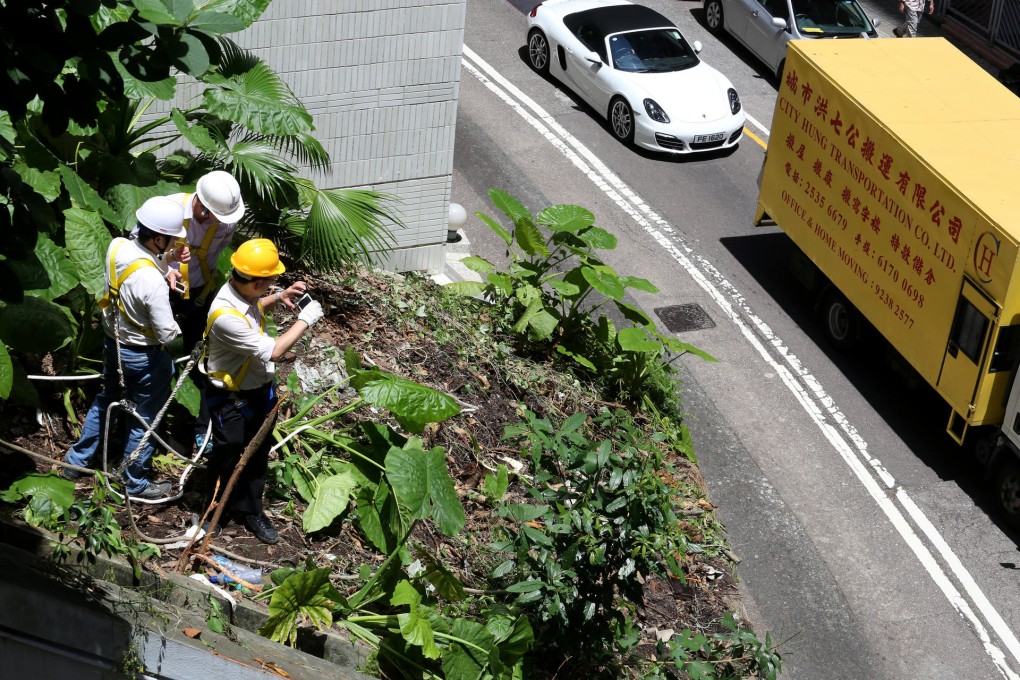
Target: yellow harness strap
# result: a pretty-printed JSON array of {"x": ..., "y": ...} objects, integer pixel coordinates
[
  {"x": 113, "y": 291},
  {"x": 202, "y": 252},
  {"x": 232, "y": 383}
]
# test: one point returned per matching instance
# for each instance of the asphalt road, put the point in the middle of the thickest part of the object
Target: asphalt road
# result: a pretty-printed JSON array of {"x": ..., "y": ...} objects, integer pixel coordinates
[{"x": 866, "y": 540}]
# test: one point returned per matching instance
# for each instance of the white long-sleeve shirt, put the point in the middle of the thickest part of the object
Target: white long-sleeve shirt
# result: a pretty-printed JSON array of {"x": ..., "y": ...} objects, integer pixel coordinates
[
  {"x": 145, "y": 297},
  {"x": 197, "y": 232},
  {"x": 233, "y": 340}
]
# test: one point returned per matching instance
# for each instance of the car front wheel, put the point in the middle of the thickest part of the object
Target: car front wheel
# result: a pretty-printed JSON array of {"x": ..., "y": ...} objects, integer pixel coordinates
[
  {"x": 714, "y": 16},
  {"x": 621, "y": 120},
  {"x": 538, "y": 51}
]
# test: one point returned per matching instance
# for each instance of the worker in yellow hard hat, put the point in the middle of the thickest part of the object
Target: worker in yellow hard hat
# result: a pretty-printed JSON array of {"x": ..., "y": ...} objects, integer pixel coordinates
[{"x": 239, "y": 365}]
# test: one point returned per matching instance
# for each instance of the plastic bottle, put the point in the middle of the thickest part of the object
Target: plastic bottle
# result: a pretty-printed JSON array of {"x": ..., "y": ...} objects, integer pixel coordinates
[{"x": 249, "y": 574}]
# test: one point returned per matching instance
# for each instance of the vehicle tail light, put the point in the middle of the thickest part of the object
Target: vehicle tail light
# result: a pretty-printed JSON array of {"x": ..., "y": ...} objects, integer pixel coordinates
[{"x": 534, "y": 10}]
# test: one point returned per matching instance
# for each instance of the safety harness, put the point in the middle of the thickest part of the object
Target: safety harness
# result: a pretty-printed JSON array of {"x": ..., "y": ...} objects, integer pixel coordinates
[
  {"x": 112, "y": 296},
  {"x": 231, "y": 383},
  {"x": 202, "y": 252}
]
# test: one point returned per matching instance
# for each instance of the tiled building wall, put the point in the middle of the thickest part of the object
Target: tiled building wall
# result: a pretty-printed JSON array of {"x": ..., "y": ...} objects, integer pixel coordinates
[{"x": 381, "y": 79}]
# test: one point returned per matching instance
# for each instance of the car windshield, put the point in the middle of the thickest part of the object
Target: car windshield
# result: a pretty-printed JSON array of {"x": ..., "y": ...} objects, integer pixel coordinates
[
  {"x": 830, "y": 17},
  {"x": 652, "y": 50}
]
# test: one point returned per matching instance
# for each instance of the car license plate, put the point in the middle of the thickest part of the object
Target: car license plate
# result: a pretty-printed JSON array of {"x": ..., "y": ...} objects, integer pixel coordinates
[{"x": 698, "y": 139}]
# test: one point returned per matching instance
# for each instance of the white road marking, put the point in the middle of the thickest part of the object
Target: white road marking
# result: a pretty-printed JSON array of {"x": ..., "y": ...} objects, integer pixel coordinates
[{"x": 805, "y": 388}]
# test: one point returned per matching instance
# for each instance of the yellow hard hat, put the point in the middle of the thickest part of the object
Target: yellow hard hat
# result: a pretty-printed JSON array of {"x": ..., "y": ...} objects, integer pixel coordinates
[{"x": 257, "y": 258}]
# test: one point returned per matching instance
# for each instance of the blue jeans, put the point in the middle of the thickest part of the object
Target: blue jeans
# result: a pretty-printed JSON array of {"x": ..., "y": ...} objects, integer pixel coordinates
[{"x": 147, "y": 377}]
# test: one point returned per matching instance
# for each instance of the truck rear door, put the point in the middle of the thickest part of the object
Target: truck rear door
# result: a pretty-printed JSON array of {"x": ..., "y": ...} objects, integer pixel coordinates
[{"x": 965, "y": 353}]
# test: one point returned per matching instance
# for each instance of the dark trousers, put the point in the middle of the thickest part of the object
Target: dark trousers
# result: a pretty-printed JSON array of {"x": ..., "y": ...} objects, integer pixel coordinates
[
  {"x": 236, "y": 418},
  {"x": 191, "y": 318}
]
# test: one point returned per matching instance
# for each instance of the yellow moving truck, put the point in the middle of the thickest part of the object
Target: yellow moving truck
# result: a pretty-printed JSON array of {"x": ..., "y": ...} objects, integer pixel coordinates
[{"x": 894, "y": 167}]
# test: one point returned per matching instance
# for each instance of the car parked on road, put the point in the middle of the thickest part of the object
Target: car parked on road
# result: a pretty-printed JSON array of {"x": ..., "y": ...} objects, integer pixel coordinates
[
  {"x": 635, "y": 68},
  {"x": 765, "y": 26}
]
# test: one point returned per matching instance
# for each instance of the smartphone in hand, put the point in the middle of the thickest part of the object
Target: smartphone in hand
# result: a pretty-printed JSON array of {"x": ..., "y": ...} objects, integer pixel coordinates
[
  {"x": 303, "y": 301},
  {"x": 180, "y": 287}
]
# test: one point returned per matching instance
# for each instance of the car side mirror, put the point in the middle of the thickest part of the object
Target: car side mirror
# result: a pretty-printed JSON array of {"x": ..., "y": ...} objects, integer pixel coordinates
[
  {"x": 593, "y": 57},
  {"x": 876, "y": 21},
  {"x": 779, "y": 22},
  {"x": 697, "y": 46}
]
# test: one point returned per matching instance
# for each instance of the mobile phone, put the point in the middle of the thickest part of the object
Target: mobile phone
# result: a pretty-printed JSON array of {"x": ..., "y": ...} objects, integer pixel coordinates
[
  {"x": 303, "y": 301},
  {"x": 180, "y": 287}
]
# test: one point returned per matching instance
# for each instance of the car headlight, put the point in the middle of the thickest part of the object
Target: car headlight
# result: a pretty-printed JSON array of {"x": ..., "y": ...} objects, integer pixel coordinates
[
  {"x": 655, "y": 111},
  {"x": 734, "y": 100}
]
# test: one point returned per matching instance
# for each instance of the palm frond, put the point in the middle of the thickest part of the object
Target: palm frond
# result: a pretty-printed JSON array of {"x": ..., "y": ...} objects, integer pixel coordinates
[
  {"x": 259, "y": 167},
  {"x": 344, "y": 226}
]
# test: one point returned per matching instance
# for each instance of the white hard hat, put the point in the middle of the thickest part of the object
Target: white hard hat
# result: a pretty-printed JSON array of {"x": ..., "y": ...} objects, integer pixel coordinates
[
  {"x": 220, "y": 192},
  {"x": 162, "y": 215}
]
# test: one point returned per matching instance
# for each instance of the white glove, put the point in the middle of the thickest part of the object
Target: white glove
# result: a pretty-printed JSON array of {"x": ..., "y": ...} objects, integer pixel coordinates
[{"x": 311, "y": 313}]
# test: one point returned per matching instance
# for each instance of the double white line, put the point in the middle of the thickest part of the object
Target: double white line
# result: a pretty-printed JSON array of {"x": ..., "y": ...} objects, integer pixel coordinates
[{"x": 890, "y": 497}]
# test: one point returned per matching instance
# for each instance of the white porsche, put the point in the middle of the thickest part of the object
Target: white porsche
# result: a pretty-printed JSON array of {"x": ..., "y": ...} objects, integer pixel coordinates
[{"x": 633, "y": 66}]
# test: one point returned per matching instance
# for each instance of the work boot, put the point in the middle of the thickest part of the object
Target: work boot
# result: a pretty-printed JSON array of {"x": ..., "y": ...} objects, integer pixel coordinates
[
  {"x": 69, "y": 474},
  {"x": 153, "y": 492},
  {"x": 262, "y": 528}
]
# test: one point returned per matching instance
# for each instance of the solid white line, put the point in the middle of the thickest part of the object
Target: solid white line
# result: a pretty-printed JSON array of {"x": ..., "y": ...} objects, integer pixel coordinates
[
  {"x": 816, "y": 403},
  {"x": 753, "y": 121}
]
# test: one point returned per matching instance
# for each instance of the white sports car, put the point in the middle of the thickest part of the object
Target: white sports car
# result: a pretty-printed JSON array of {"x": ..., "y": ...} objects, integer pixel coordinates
[{"x": 632, "y": 65}]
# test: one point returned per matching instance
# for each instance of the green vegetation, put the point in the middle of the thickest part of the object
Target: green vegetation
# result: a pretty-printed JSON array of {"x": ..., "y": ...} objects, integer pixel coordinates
[{"x": 582, "y": 512}]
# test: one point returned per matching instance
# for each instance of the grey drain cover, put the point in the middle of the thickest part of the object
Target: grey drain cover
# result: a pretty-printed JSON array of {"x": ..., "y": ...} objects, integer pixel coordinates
[{"x": 682, "y": 318}]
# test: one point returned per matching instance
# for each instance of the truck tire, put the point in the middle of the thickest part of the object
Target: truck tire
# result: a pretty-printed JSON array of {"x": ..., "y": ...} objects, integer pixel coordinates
[
  {"x": 1006, "y": 490},
  {"x": 842, "y": 322}
]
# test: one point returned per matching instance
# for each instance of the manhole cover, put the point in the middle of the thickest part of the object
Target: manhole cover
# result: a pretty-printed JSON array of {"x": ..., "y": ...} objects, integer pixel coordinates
[{"x": 683, "y": 318}]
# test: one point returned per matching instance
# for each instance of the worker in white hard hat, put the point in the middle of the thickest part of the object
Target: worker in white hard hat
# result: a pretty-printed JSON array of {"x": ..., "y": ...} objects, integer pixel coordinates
[
  {"x": 138, "y": 323},
  {"x": 211, "y": 215}
]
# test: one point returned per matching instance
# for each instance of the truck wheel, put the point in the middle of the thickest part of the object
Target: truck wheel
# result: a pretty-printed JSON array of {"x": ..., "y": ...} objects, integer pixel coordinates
[
  {"x": 842, "y": 322},
  {"x": 714, "y": 16},
  {"x": 1007, "y": 491}
]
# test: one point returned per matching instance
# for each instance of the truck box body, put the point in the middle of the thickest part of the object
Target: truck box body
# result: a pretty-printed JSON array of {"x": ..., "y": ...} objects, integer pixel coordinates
[{"x": 894, "y": 165}]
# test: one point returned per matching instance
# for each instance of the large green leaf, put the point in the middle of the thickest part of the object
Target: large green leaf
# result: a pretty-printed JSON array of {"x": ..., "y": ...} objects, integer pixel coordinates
[
  {"x": 87, "y": 243},
  {"x": 477, "y": 264},
  {"x": 218, "y": 23},
  {"x": 84, "y": 196},
  {"x": 603, "y": 279},
  {"x": 422, "y": 485},
  {"x": 36, "y": 326},
  {"x": 303, "y": 596},
  {"x": 509, "y": 205},
  {"x": 599, "y": 238},
  {"x": 259, "y": 100},
  {"x": 189, "y": 54},
  {"x": 637, "y": 340},
  {"x": 639, "y": 284},
  {"x": 248, "y": 10},
  {"x": 48, "y": 274},
  {"x": 467, "y": 660},
  {"x": 570, "y": 218},
  {"x": 164, "y": 12},
  {"x": 196, "y": 134},
  {"x": 57, "y": 488},
  {"x": 45, "y": 183},
  {"x": 331, "y": 499},
  {"x": 414, "y": 625},
  {"x": 189, "y": 397},
  {"x": 6, "y": 372},
  {"x": 496, "y": 228},
  {"x": 684, "y": 348},
  {"x": 466, "y": 288},
  {"x": 413, "y": 404},
  {"x": 529, "y": 238},
  {"x": 126, "y": 198},
  {"x": 543, "y": 324}
]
